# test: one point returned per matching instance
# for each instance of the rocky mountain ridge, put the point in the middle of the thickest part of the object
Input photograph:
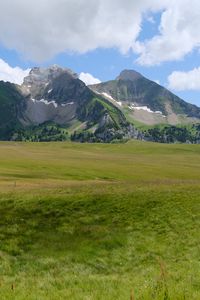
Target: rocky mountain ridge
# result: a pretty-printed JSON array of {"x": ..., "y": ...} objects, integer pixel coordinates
[{"x": 54, "y": 104}]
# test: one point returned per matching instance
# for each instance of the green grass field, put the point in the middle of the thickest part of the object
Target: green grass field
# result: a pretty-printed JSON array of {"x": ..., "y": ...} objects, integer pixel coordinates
[{"x": 99, "y": 221}]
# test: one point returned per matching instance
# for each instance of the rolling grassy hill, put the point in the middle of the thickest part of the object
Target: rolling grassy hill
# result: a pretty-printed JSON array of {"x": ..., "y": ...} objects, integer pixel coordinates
[{"x": 97, "y": 221}]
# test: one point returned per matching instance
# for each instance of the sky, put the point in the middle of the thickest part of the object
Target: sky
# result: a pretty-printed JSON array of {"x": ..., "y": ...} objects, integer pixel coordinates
[{"x": 99, "y": 38}]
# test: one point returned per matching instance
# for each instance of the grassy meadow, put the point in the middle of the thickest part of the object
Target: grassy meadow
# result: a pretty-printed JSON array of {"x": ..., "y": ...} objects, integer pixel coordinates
[{"x": 99, "y": 221}]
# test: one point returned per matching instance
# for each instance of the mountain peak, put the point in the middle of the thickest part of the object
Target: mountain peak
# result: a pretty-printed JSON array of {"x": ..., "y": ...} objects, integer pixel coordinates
[
  {"x": 43, "y": 74},
  {"x": 39, "y": 78},
  {"x": 129, "y": 75}
]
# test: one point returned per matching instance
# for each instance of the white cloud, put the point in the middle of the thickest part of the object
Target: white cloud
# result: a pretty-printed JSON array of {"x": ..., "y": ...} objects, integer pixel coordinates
[
  {"x": 181, "y": 81},
  {"x": 88, "y": 78},
  {"x": 14, "y": 75},
  {"x": 40, "y": 29},
  {"x": 179, "y": 33}
]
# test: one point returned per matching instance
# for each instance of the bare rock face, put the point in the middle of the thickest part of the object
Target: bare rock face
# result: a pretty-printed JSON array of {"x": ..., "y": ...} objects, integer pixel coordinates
[
  {"x": 40, "y": 111},
  {"x": 40, "y": 80},
  {"x": 53, "y": 94}
]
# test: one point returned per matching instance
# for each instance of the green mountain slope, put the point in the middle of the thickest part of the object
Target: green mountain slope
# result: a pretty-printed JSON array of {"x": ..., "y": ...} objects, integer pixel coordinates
[
  {"x": 11, "y": 106},
  {"x": 136, "y": 92}
]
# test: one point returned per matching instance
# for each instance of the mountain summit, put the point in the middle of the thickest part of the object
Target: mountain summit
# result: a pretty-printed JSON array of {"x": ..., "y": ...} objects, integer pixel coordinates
[
  {"x": 129, "y": 75},
  {"x": 41, "y": 79}
]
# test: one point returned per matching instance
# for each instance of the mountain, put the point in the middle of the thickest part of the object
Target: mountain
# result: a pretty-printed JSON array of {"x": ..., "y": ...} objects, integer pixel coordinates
[
  {"x": 53, "y": 94},
  {"x": 56, "y": 95},
  {"x": 54, "y": 104},
  {"x": 143, "y": 100}
]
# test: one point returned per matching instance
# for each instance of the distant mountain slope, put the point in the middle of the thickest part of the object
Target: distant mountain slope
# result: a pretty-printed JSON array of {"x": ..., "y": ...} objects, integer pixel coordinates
[{"x": 146, "y": 101}]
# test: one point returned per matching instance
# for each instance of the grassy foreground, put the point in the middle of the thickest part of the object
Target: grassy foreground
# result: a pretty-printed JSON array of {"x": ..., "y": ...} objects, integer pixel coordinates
[{"x": 84, "y": 222}]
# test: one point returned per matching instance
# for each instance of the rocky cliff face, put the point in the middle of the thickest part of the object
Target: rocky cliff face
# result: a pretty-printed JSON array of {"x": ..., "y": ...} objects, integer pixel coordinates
[
  {"x": 52, "y": 94},
  {"x": 39, "y": 79}
]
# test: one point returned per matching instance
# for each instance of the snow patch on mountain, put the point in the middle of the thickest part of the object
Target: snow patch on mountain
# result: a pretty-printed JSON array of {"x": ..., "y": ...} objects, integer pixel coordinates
[
  {"x": 65, "y": 104},
  {"x": 145, "y": 108},
  {"x": 111, "y": 98},
  {"x": 45, "y": 102}
]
